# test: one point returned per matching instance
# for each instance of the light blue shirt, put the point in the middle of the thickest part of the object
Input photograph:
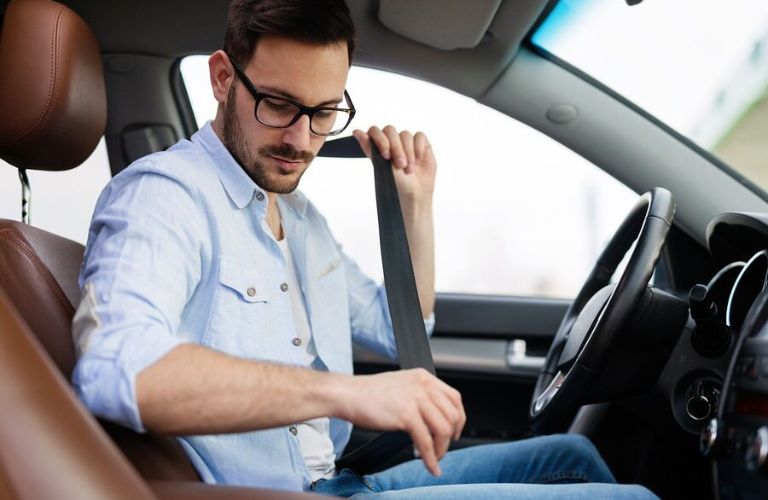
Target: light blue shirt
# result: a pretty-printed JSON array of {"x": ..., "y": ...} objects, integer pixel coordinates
[{"x": 179, "y": 251}]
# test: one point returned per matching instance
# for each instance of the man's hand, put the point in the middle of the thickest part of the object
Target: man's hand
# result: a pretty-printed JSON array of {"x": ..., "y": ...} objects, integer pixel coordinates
[
  {"x": 194, "y": 390},
  {"x": 414, "y": 401},
  {"x": 414, "y": 170},
  {"x": 411, "y": 155}
]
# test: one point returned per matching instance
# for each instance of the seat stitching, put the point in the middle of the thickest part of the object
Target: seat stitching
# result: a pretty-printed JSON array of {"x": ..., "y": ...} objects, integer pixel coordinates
[
  {"x": 53, "y": 89},
  {"x": 41, "y": 268}
]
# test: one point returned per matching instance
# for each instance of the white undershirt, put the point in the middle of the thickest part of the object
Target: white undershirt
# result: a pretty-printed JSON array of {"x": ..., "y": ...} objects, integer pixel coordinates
[{"x": 314, "y": 435}]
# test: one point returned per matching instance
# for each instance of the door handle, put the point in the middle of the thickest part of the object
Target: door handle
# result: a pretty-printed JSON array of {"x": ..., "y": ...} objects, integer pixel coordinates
[{"x": 518, "y": 359}]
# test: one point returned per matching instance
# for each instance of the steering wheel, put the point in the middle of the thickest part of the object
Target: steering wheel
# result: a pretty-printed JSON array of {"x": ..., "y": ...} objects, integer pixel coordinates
[{"x": 600, "y": 312}]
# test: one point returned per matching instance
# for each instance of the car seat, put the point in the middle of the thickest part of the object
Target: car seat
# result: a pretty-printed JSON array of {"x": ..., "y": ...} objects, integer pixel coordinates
[
  {"x": 54, "y": 101},
  {"x": 54, "y": 112}
]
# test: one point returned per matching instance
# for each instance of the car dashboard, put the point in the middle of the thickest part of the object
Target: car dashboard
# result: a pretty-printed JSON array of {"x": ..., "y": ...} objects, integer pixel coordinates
[{"x": 735, "y": 435}]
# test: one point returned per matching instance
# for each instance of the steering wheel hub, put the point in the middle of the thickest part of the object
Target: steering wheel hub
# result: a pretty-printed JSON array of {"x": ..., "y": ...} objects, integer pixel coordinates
[{"x": 583, "y": 327}]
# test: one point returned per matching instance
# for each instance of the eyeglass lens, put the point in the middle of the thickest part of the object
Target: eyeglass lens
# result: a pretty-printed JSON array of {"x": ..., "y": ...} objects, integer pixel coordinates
[{"x": 276, "y": 112}]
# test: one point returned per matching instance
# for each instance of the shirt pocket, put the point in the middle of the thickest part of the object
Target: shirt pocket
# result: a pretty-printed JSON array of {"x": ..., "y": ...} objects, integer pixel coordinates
[
  {"x": 246, "y": 282},
  {"x": 327, "y": 281},
  {"x": 327, "y": 269},
  {"x": 241, "y": 309}
]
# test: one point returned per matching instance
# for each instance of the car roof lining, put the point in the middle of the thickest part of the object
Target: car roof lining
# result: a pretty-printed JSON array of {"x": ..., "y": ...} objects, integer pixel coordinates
[
  {"x": 481, "y": 65},
  {"x": 444, "y": 25},
  {"x": 498, "y": 67},
  {"x": 132, "y": 27}
]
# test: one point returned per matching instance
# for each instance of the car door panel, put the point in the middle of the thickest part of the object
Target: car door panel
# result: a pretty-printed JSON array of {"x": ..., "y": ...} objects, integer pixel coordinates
[{"x": 491, "y": 349}]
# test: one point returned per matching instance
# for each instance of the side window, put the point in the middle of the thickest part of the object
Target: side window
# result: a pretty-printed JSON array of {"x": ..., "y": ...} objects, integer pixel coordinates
[
  {"x": 62, "y": 202},
  {"x": 516, "y": 213}
]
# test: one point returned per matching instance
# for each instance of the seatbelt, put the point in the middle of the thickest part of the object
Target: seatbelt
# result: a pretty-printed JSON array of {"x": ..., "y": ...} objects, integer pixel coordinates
[{"x": 403, "y": 298}]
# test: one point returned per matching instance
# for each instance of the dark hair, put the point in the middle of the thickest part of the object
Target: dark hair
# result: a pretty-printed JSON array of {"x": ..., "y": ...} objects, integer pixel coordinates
[{"x": 312, "y": 21}]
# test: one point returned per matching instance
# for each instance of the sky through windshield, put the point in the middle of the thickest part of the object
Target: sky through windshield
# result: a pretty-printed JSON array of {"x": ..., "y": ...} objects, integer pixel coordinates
[{"x": 701, "y": 66}]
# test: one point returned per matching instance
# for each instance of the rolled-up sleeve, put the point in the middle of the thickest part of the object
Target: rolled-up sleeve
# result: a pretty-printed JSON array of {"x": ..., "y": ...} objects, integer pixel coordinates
[{"x": 142, "y": 263}]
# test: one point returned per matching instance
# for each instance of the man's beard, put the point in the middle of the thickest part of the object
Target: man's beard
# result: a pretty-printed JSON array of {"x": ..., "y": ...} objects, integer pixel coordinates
[{"x": 234, "y": 140}]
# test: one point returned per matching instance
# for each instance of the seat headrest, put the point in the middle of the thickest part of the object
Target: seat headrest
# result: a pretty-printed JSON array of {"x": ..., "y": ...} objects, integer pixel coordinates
[{"x": 51, "y": 87}]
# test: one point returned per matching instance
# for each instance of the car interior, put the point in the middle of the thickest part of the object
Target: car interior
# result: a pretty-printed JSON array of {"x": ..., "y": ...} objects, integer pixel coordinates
[{"x": 659, "y": 358}]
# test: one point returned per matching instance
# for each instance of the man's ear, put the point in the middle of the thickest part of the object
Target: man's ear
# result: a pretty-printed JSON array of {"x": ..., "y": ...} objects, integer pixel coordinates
[{"x": 222, "y": 75}]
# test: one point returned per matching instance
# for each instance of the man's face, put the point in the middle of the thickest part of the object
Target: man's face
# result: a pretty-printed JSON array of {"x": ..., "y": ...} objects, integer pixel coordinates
[{"x": 311, "y": 74}]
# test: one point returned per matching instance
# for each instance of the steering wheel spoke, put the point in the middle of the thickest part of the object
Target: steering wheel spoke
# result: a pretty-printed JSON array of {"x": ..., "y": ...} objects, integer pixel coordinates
[{"x": 546, "y": 396}]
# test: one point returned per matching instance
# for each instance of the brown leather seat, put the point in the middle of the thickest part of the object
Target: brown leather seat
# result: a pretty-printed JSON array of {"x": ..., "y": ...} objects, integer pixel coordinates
[
  {"x": 54, "y": 112},
  {"x": 50, "y": 445},
  {"x": 38, "y": 271},
  {"x": 51, "y": 448},
  {"x": 52, "y": 91}
]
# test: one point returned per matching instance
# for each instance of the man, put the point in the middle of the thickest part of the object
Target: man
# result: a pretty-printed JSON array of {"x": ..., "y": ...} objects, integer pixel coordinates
[{"x": 217, "y": 306}]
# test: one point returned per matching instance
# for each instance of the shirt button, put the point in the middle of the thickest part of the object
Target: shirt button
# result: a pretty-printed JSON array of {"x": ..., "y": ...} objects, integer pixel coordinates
[
  {"x": 260, "y": 196},
  {"x": 284, "y": 287},
  {"x": 296, "y": 341},
  {"x": 251, "y": 291},
  {"x": 293, "y": 430}
]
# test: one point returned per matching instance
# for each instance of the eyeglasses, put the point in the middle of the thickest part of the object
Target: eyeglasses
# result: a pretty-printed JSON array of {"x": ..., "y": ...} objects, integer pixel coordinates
[{"x": 280, "y": 112}]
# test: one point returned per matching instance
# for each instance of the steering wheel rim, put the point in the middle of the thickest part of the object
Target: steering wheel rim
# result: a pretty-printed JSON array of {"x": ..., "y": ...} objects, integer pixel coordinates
[{"x": 600, "y": 311}]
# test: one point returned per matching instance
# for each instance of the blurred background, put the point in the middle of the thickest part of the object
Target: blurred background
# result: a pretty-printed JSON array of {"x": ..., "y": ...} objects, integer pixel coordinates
[{"x": 516, "y": 213}]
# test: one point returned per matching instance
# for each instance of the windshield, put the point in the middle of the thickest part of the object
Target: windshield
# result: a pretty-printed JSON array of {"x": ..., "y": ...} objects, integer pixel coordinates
[{"x": 700, "y": 66}]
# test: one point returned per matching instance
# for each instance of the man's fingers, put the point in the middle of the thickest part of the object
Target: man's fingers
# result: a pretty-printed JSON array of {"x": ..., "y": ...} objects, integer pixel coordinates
[
  {"x": 363, "y": 140},
  {"x": 425, "y": 446},
  {"x": 455, "y": 397},
  {"x": 440, "y": 428},
  {"x": 462, "y": 416},
  {"x": 404, "y": 149},
  {"x": 399, "y": 158},
  {"x": 381, "y": 140},
  {"x": 422, "y": 405},
  {"x": 421, "y": 145},
  {"x": 406, "y": 138},
  {"x": 452, "y": 413},
  {"x": 442, "y": 443}
]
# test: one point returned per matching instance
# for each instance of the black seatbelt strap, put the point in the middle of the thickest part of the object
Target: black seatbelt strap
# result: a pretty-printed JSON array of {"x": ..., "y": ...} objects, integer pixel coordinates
[
  {"x": 403, "y": 298},
  {"x": 400, "y": 283},
  {"x": 399, "y": 280}
]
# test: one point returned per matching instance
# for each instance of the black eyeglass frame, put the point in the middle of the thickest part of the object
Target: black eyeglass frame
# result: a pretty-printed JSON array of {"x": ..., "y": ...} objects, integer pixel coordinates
[{"x": 310, "y": 111}]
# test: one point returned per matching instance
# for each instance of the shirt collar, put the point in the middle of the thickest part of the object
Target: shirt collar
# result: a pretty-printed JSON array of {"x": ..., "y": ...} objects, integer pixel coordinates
[
  {"x": 239, "y": 187},
  {"x": 296, "y": 201}
]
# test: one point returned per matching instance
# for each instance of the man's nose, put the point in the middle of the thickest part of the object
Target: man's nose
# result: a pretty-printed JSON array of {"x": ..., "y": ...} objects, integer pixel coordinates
[{"x": 299, "y": 135}]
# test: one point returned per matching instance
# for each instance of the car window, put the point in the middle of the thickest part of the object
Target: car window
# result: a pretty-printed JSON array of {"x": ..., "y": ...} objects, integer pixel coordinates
[
  {"x": 62, "y": 202},
  {"x": 700, "y": 67},
  {"x": 516, "y": 213}
]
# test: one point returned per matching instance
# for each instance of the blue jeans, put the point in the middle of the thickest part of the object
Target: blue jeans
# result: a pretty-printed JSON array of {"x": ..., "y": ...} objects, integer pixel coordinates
[{"x": 559, "y": 466}]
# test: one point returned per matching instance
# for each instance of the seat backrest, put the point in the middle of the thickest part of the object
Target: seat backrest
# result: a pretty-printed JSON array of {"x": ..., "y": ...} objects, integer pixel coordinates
[
  {"x": 54, "y": 113},
  {"x": 39, "y": 271},
  {"x": 51, "y": 447}
]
